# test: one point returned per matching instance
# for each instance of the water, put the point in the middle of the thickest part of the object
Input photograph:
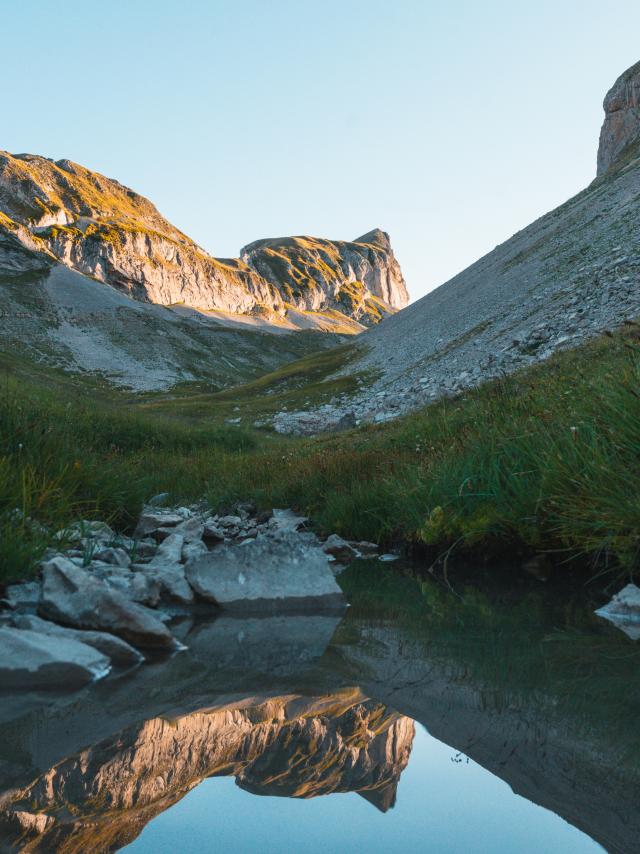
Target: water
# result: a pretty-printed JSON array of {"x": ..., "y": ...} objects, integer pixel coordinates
[{"x": 489, "y": 719}]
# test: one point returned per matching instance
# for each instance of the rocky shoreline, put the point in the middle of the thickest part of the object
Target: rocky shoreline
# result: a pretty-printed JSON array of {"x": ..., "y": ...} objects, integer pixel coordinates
[{"x": 108, "y": 600}]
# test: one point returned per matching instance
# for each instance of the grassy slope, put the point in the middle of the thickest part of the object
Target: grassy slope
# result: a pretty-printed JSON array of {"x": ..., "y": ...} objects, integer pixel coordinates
[{"x": 548, "y": 459}]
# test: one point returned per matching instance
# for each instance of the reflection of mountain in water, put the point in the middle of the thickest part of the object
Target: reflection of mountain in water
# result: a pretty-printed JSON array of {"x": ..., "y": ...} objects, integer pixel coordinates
[
  {"x": 101, "y": 798},
  {"x": 272, "y": 702}
]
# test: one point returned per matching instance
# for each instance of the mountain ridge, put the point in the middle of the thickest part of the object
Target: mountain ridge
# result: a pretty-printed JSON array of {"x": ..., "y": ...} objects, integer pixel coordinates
[{"x": 99, "y": 227}]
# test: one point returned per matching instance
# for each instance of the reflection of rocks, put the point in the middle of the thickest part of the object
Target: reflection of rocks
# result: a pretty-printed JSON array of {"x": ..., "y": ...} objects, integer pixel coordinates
[{"x": 101, "y": 798}]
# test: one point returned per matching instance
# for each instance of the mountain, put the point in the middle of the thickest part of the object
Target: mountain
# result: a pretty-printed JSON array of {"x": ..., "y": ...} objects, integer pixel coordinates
[
  {"x": 98, "y": 227},
  {"x": 568, "y": 276},
  {"x": 362, "y": 278}
]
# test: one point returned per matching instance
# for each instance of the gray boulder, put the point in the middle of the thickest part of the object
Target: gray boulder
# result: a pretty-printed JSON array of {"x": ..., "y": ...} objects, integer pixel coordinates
[
  {"x": 32, "y": 660},
  {"x": 169, "y": 579},
  {"x": 276, "y": 572},
  {"x": 114, "y": 648},
  {"x": 115, "y": 556},
  {"x": 151, "y": 520},
  {"x": 75, "y": 597}
]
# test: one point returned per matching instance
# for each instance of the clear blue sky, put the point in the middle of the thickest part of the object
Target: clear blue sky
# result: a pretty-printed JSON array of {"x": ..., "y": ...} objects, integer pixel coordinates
[{"x": 450, "y": 124}]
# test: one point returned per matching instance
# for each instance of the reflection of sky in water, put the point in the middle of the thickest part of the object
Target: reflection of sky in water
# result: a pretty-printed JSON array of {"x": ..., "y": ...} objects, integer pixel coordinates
[{"x": 443, "y": 805}]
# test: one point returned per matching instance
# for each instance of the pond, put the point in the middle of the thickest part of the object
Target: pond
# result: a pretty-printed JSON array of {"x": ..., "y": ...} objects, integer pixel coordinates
[{"x": 484, "y": 718}]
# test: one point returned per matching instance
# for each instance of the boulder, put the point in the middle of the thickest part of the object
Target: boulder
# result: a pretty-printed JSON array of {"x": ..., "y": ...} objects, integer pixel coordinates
[
  {"x": 73, "y": 596},
  {"x": 169, "y": 550},
  {"x": 114, "y": 648},
  {"x": 212, "y": 531},
  {"x": 32, "y": 660},
  {"x": 624, "y": 611},
  {"x": 270, "y": 573},
  {"x": 191, "y": 530},
  {"x": 133, "y": 585},
  {"x": 115, "y": 556},
  {"x": 169, "y": 579},
  {"x": 151, "y": 520}
]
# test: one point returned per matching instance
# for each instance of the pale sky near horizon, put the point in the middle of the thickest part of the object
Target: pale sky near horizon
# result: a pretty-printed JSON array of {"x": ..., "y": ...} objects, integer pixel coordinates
[{"x": 450, "y": 125}]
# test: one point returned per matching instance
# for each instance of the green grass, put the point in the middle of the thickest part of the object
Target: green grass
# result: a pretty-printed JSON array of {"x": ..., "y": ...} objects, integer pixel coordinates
[{"x": 545, "y": 461}]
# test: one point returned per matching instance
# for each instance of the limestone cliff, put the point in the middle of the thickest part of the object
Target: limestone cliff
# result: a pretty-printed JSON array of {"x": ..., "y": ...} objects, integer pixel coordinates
[
  {"x": 361, "y": 278},
  {"x": 102, "y": 229},
  {"x": 621, "y": 129}
]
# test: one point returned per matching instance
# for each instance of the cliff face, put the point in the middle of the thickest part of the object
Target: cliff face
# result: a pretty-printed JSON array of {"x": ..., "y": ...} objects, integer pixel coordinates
[
  {"x": 361, "y": 278},
  {"x": 621, "y": 128},
  {"x": 102, "y": 229},
  {"x": 301, "y": 747}
]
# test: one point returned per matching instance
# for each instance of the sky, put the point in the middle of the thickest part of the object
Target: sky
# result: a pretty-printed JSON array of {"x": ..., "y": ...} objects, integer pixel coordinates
[{"x": 449, "y": 124}]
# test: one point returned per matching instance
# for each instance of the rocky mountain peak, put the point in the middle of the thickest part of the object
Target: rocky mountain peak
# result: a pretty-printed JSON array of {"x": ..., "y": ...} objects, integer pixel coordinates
[
  {"x": 377, "y": 237},
  {"x": 621, "y": 128}
]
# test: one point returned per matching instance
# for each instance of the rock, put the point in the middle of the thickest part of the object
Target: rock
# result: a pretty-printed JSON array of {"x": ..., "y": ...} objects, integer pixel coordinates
[
  {"x": 621, "y": 127},
  {"x": 212, "y": 531},
  {"x": 134, "y": 586},
  {"x": 192, "y": 530},
  {"x": 142, "y": 549},
  {"x": 22, "y": 595},
  {"x": 74, "y": 597},
  {"x": 32, "y": 660},
  {"x": 342, "y": 275},
  {"x": 114, "y": 648},
  {"x": 151, "y": 520},
  {"x": 624, "y": 611},
  {"x": 275, "y": 572},
  {"x": 286, "y": 520},
  {"x": 116, "y": 556},
  {"x": 339, "y": 548},
  {"x": 169, "y": 579},
  {"x": 169, "y": 551},
  {"x": 190, "y": 551},
  {"x": 230, "y": 521}
]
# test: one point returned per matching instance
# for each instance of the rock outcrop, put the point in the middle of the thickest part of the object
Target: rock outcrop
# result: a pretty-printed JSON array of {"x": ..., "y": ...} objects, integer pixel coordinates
[
  {"x": 360, "y": 278},
  {"x": 102, "y": 229},
  {"x": 621, "y": 129}
]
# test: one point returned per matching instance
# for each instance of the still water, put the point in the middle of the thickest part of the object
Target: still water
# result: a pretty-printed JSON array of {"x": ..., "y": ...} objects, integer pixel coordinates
[{"x": 424, "y": 719}]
